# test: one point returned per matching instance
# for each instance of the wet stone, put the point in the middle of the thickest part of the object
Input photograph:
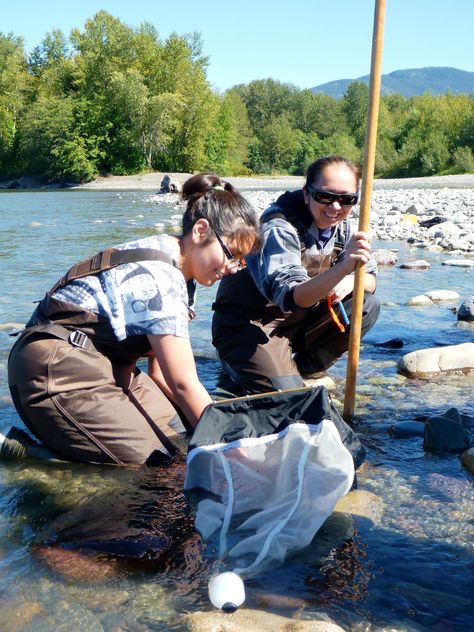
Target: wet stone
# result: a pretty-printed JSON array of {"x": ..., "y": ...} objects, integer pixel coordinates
[
  {"x": 466, "y": 310},
  {"x": 420, "y": 300},
  {"x": 419, "y": 264},
  {"x": 244, "y": 620},
  {"x": 361, "y": 502},
  {"x": 446, "y": 434},
  {"x": 467, "y": 459}
]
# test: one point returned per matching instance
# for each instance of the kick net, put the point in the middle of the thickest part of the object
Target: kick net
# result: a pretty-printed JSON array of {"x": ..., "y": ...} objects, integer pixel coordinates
[{"x": 264, "y": 472}]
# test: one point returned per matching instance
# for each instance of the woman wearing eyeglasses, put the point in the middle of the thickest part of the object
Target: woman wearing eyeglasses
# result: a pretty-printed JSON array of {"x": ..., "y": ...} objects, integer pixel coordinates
[
  {"x": 288, "y": 313},
  {"x": 72, "y": 372}
]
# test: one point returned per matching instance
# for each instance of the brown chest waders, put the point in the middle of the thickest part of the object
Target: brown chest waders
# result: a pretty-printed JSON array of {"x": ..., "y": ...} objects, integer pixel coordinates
[
  {"x": 264, "y": 349},
  {"x": 66, "y": 375}
]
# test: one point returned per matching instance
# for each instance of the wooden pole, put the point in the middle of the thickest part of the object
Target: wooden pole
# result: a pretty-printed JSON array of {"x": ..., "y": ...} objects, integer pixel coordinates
[{"x": 366, "y": 195}]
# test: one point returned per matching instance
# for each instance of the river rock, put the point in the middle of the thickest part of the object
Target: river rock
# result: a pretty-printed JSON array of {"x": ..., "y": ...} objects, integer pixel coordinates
[
  {"x": 246, "y": 620},
  {"x": 459, "y": 263},
  {"x": 467, "y": 459},
  {"x": 320, "y": 380},
  {"x": 361, "y": 502},
  {"x": 444, "y": 230},
  {"x": 393, "y": 343},
  {"x": 169, "y": 185},
  {"x": 418, "y": 264},
  {"x": 421, "y": 300},
  {"x": 385, "y": 257},
  {"x": 446, "y": 433},
  {"x": 443, "y": 295},
  {"x": 466, "y": 309},
  {"x": 432, "y": 221},
  {"x": 426, "y": 362}
]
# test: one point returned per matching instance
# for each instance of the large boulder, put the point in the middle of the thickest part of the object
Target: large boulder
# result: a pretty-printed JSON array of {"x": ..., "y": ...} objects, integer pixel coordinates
[
  {"x": 443, "y": 295},
  {"x": 446, "y": 433},
  {"x": 426, "y": 362},
  {"x": 466, "y": 309},
  {"x": 170, "y": 185}
]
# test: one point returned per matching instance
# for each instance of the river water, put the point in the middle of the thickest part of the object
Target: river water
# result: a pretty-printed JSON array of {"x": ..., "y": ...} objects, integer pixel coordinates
[{"x": 409, "y": 569}]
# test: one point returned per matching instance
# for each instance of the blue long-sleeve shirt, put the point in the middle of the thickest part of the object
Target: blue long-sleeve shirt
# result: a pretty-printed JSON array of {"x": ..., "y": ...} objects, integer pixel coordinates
[{"x": 278, "y": 267}]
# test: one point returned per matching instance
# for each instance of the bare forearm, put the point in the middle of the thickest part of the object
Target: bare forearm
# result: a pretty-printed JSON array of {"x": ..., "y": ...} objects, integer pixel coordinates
[{"x": 174, "y": 371}]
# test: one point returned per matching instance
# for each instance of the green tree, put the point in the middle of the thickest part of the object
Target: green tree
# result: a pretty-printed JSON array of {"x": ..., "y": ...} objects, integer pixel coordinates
[
  {"x": 317, "y": 113},
  {"x": 50, "y": 145},
  {"x": 266, "y": 99},
  {"x": 354, "y": 106},
  {"x": 280, "y": 144},
  {"x": 15, "y": 91}
]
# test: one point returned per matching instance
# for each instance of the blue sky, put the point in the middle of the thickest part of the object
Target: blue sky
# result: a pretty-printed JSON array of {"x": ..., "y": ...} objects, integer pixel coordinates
[{"x": 304, "y": 42}]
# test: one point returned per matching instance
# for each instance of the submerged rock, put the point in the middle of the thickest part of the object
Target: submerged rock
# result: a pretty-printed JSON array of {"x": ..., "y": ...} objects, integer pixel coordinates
[
  {"x": 246, "y": 620},
  {"x": 406, "y": 429},
  {"x": 361, "y": 502},
  {"x": 393, "y": 343},
  {"x": 144, "y": 524}
]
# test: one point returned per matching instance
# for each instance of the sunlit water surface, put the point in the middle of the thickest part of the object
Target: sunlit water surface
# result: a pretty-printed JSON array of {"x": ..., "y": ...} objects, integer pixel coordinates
[{"x": 412, "y": 570}]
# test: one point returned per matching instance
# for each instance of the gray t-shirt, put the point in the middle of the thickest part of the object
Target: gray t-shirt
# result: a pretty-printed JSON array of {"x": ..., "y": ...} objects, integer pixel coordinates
[{"x": 146, "y": 297}]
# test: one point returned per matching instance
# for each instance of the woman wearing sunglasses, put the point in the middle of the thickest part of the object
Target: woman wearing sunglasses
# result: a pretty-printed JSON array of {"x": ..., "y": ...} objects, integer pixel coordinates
[
  {"x": 288, "y": 313},
  {"x": 72, "y": 372}
]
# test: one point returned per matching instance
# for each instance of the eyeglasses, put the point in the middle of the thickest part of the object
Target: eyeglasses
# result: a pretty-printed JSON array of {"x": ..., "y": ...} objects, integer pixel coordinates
[
  {"x": 326, "y": 197},
  {"x": 233, "y": 263}
]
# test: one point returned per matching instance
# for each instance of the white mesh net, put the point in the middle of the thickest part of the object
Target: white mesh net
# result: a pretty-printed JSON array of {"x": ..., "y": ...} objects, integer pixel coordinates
[{"x": 267, "y": 496}]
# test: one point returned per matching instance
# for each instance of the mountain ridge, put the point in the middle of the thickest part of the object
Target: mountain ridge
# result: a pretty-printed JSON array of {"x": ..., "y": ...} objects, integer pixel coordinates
[{"x": 409, "y": 82}]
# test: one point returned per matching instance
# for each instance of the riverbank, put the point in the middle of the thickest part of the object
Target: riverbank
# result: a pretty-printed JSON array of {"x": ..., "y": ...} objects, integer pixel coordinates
[{"x": 152, "y": 182}]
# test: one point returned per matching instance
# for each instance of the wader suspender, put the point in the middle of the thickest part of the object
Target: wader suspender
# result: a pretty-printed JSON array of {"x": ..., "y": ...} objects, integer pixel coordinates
[
  {"x": 108, "y": 259},
  {"x": 291, "y": 217}
]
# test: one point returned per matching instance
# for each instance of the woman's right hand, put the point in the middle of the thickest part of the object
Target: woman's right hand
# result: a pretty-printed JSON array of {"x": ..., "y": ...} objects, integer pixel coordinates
[{"x": 357, "y": 250}]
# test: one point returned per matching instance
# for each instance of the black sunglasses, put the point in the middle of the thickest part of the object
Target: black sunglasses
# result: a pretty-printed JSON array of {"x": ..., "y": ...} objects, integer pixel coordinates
[
  {"x": 233, "y": 261},
  {"x": 326, "y": 197}
]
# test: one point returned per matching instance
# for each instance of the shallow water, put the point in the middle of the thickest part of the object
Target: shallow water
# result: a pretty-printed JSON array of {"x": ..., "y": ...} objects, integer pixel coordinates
[{"x": 411, "y": 570}]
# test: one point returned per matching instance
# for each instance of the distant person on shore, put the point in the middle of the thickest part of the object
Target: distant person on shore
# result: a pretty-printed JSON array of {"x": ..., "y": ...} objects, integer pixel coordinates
[
  {"x": 72, "y": 372},
  {"x": 284, "y": 316}
]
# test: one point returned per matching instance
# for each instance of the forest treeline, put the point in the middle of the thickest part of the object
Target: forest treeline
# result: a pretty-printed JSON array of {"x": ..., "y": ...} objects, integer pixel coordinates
[{"x": 114, "y": 99}]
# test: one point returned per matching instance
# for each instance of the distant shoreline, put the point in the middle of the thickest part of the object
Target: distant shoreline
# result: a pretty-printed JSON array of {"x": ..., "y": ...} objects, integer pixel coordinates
[{"x": 152, "y": 182}]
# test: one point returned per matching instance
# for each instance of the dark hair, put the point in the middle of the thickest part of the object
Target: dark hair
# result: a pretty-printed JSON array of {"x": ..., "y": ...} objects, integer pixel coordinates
[
  {"x": 230, "y": 214},
  {"x": 317, "y": 167}
]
